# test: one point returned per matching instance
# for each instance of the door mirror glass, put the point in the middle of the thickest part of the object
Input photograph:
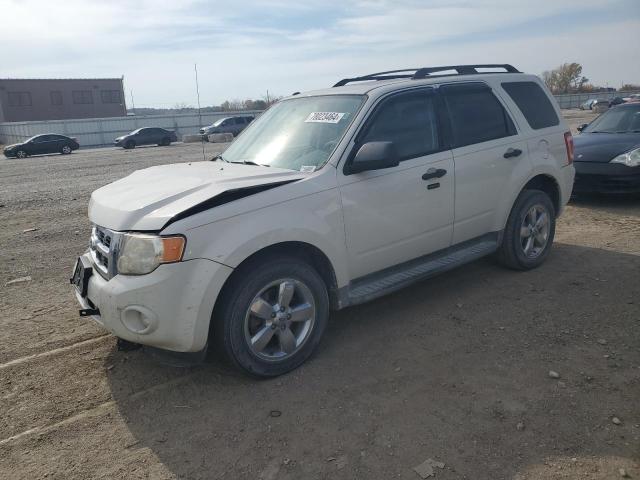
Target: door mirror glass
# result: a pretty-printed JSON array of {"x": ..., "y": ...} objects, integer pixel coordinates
[
  {"x": 582, "y": 127},
  {"x": 374, "y": 156}
]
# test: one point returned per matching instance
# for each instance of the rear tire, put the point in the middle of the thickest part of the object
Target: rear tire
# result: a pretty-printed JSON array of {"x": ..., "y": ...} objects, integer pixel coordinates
[
  {"x": 129, "y": 145},
  {"x": 529, "y": 233},
  {"x": 289, "y": 322},
  {"x": 66, "y": 150},
  {"x": 165, "y": 142}
]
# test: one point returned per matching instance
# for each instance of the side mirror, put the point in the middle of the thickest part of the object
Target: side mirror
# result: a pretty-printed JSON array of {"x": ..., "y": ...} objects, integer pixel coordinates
[
  {"x": 373, "y": 156},
  {"x": 582, "y": 127}
]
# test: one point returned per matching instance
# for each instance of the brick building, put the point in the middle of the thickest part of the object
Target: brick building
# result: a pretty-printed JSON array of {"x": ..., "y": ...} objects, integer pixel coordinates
[{"x": 57, "y": 99}]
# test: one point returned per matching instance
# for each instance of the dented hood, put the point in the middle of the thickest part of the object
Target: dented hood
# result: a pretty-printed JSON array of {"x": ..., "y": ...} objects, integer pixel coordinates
[{"x": 148, "y": 199}]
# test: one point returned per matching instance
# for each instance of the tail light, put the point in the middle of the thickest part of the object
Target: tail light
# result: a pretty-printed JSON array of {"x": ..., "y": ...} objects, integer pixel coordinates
[
  {"x": 568, "y": 141},
  {"x": 74, "y": 139}
]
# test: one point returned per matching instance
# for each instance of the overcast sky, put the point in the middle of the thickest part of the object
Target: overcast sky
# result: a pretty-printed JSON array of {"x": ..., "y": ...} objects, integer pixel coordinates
[{"x": 244, "y": 47}]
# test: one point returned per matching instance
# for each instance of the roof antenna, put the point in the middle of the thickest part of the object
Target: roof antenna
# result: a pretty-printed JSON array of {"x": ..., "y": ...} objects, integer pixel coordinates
[{"x": 195, "y": 66}]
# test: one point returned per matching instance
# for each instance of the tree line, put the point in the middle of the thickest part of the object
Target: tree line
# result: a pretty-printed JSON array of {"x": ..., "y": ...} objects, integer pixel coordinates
[{"x": 568, "y": 78}]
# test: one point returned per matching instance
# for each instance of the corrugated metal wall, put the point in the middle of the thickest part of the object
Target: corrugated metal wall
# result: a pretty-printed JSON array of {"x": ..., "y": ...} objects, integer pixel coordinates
[{"x": 97, "y": 132}]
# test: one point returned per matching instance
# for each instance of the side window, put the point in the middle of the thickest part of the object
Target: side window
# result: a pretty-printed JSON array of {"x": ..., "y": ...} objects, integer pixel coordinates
[
  {"x": 239, "y": 121},
  {"x": 42, "y": 139},
  {"x": 409, "y": 121},
  {"x": 476, "y": 115},
  {"x": 533, "y": 103}
]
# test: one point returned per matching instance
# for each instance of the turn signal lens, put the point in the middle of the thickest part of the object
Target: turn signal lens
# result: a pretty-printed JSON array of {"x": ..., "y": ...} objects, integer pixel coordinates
[{"x": 173, "y": 248}]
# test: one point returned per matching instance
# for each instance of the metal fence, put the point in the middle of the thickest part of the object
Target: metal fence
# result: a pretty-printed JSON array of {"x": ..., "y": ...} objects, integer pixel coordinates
[
  {"x": 574, "y": 100},
  {"x": 96, "y": 132}
]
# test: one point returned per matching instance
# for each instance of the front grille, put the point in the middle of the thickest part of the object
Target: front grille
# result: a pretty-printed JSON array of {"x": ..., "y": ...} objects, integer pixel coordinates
[{"x": 104, "y": 250}]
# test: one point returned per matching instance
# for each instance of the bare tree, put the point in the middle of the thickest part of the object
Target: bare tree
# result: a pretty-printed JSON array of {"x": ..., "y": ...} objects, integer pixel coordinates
[{"x": 565, "y": 79}]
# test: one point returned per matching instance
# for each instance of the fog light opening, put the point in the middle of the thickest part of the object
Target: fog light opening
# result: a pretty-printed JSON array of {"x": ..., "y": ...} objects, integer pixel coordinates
[{"x": 139, "y": 320}]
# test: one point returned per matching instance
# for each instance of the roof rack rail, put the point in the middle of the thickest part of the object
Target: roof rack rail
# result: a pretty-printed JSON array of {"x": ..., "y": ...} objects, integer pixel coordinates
[{"x": 419, "y": 73}]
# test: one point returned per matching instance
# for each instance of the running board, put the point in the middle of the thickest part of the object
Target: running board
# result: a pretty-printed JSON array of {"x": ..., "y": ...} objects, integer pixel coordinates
[{"x": 391, "y": 279}]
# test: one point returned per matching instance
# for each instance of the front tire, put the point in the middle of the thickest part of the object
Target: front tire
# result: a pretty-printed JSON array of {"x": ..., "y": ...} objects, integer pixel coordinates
[
  {"x": 129, "y": 145},
  {"x": 529, "y": 233},
  {"x": 21, "y": 154},
  {"x": 271, "y": 316}
]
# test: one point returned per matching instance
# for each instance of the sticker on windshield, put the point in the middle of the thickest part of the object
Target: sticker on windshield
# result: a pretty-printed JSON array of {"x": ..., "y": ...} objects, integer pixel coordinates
[{"x": 324, "y": 117}]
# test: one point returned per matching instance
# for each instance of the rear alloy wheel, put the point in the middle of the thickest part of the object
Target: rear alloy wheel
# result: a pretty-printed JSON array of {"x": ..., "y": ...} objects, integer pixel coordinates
[
  {"x": 165, "y": 142},
  {"x": 271, "y": 316},
  {"x": 66, "y": 150},
  {"x": 529, "y": 233},
  {"x": 21, "y": 154}
]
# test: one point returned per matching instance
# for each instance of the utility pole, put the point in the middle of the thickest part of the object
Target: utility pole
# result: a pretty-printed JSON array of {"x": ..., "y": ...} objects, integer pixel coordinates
[
  {"x": 195, "y": 67},
  {"x": 133, "y": 104}
]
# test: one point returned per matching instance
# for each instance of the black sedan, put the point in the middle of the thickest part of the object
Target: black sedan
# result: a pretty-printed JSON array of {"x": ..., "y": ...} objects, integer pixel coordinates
[
  {"x": 146, "y": 136},
  {"x": 607, "y": 152},
  {"x": 40, "y": 144}
]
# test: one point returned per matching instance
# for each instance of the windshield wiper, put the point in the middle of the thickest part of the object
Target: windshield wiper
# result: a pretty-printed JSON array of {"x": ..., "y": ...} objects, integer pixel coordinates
[
  {"x": 249, "y": 162},
  {"x": 599, "y": 131},
  {"x": 219, "y": 157}
]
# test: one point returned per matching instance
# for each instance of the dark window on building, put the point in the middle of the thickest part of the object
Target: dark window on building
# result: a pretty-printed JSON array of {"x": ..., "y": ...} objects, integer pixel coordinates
[
  {"x": 533, "y": 103},
  {"x": 56, "y": 97},
  {"x": 110, "y": 96},
  {"x": 476, "y": 114},
  {"x": 82, "y": 96},
  {"x": 409, "y": 121},
  {"x": 19, "y": 99}
]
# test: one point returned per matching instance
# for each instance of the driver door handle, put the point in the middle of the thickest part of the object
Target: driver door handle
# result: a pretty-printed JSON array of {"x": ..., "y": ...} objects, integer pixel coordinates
[
  {"x": 434, "y": 173},
  {"x": 512, "y": 152}
]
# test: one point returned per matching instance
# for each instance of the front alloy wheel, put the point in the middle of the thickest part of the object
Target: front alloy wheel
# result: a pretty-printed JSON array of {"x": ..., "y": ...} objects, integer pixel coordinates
[
  {"x": 21, "y": 154},
  {"x": 271, "y": 315},
  {"x": 279, "y": 319}
]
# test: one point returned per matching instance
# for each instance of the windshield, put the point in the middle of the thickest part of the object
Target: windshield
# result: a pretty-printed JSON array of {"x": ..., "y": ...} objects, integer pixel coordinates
[
  {"x": 617, "y": 120},
  {"x": 135, "y": 131},
  {"x": 296, "y": 134},
  {"x": 218, "y": 122}
]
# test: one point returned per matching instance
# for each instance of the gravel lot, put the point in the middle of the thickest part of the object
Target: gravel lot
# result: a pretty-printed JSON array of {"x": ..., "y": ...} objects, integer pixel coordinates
[{"x": 455, "y": 369}]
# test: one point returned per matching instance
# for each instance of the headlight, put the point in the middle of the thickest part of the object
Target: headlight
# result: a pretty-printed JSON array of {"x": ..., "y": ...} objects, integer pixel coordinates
[
  {"x": 142, "y": 253},
  {"x": 630, "y": 159}
]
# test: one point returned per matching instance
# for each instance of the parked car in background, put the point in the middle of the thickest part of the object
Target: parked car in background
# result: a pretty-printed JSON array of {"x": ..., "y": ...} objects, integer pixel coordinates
[
  {"x": 232, "y": 125},
  {"x": 616, "y": 101},
  {"x": 588, "y": 104},
  {"x": 41, "y": 144},
  {"x": 608, "y": 152},
  {"x": 600, "y": 106},
  {"x": 146, "y": 136},
  {"x": 330, "y": 199}
]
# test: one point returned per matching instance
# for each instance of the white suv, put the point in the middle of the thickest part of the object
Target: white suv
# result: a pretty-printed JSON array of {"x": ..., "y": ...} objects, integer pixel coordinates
[{"x": 329, "y": 199}]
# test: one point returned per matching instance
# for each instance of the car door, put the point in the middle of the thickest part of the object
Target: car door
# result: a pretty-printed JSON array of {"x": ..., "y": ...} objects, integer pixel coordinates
[
  {"x": 143, "y": 137},
  {"x": 394, "y": 215},
  {"x": 40, "y": 145},
  {"x": 239, "y": 125},
  {"x": 487, "y": 153}
]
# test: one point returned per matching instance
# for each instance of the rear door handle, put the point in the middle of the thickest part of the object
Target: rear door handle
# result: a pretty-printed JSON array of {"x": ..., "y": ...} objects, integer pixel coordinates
[
  {"x": 512, "y": 152},
  {"x": 434, "y": 173}
]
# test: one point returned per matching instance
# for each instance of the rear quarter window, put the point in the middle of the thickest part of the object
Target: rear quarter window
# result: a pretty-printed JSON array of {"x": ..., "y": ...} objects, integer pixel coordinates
[
  {"x": 533, "y": 103},
  {"x": 475, "y": 114}
]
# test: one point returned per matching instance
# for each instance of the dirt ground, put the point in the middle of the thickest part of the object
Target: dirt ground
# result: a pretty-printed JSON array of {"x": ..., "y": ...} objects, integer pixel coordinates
[{"x": 454, "y": 369}]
